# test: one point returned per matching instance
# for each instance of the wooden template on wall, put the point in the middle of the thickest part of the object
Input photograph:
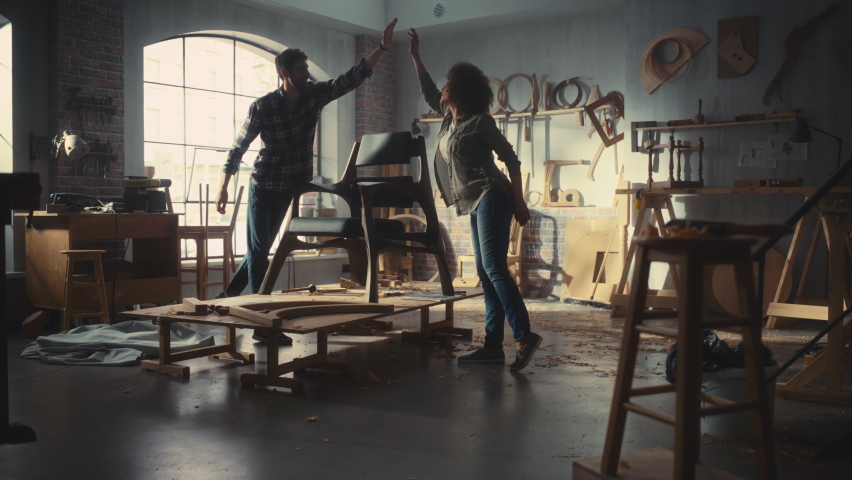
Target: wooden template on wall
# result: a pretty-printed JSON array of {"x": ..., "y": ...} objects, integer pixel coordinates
[
  {"x": 736, "y": 46},
  {"x": 693, "y": 38}
]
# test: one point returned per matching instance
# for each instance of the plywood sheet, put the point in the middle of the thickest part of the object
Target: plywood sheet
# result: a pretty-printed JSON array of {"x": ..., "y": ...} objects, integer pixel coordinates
[{"x": 585, "y": 243}]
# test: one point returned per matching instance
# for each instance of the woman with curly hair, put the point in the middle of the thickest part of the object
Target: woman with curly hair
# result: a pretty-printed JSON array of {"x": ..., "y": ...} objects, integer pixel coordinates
[{"x": 472, "y": 182}]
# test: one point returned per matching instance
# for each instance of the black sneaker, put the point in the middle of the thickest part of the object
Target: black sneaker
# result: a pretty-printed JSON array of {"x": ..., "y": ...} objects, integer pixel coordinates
[
  {"x": 483, "y": 356},
  {"x": 222, "y": 294},
  {"x": 260, "y": 336},
  {"x": 523, "y": 357}
]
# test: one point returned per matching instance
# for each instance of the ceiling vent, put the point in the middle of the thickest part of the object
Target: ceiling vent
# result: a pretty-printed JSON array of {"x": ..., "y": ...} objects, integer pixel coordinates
[{"x": 439, "y": 9}]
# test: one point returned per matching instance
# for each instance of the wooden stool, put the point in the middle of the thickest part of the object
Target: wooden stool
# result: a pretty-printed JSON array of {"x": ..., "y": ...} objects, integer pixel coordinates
[
  {"x": 690, "y": 255},
  {"x": 72, "y": 306}
]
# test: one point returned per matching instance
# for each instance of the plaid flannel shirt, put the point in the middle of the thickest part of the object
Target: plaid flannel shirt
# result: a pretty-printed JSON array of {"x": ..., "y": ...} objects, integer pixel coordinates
[{"x": 287, "y": 136}]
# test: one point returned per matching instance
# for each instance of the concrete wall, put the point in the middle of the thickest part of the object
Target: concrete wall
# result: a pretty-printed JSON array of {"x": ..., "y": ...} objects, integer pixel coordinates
[
  {"x": 155, "y": 20},
  {"x": 589, "y": 47},
  {"x": 607, "y": 49},
  {"x": 812, "y": 85}
]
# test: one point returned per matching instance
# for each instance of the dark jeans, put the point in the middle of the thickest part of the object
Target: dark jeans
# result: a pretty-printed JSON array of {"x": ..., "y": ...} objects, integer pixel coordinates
[
  {"x": 266, "y": 212},
  {"x": 490, "y": 227}
]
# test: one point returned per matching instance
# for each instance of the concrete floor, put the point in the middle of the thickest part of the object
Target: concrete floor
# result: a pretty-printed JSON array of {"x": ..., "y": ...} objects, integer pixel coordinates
[{"x": 435, "y": 420}]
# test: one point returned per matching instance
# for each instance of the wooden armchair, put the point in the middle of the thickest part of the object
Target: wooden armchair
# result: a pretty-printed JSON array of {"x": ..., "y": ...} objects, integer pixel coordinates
[
  {"x": 399, "y": 192},
  {"x": 361, "y": 234}
]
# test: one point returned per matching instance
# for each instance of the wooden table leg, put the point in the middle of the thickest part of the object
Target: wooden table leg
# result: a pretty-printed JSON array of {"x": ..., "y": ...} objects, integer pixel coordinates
[
  {"x": 796, "y": 242},
  {"x": 233, "y": 354},
  {"x": 439, "y": 331},
  {"x": 619, "y": 310},
  {"x": 164, "y": 364},
  {"x": 274, "y": 371}
]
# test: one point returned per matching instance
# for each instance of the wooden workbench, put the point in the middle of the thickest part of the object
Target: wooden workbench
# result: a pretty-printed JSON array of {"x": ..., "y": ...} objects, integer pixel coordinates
[
  {"x": 657, "y": 200},
  {"x": 319, "y": 324},
  {"x": 153, "y": 276}
]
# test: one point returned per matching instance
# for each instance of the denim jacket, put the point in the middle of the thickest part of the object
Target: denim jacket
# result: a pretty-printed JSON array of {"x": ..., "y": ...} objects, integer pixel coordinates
[{"x": 470, "y": 172}]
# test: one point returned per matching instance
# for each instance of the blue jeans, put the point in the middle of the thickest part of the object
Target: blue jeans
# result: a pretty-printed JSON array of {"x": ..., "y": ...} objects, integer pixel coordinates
[
  {"x": 490, "y": 227},
  {"x": 266, "y": 212}
]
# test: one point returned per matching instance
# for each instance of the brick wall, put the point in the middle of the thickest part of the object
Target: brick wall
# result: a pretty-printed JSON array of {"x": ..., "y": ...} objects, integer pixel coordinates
[
  {"x": 87, "y": 65},
  {"x": 543, "y": 239},
  {"x": 375, "y": 99}
]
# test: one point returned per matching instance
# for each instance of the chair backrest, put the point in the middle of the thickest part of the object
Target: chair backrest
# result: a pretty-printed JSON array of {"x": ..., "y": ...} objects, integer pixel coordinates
[{"x": 396, "y": 148}]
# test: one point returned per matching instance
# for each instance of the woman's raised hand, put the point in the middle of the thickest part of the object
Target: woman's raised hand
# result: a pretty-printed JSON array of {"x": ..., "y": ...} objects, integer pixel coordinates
[{"x": 414, "y": 48}]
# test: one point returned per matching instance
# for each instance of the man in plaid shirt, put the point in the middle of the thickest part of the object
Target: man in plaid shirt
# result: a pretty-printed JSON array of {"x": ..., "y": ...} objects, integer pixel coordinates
[{"x": 286, "y": 121}]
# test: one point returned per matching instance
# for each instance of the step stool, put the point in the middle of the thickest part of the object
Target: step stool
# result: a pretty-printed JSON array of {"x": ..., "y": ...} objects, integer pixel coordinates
[
  {"x": 690, "y": 256},
  {"x": 76, "y": 305}
]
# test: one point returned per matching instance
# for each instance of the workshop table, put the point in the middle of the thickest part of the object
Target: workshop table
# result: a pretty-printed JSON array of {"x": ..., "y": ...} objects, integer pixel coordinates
[
  {"x": 657, "y": 200},
  {"x": 319, "y": 324},
  {"x": 153, "y": 275}
]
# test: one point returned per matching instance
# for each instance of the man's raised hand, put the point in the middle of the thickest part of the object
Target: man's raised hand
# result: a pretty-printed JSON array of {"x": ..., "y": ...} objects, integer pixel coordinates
[{"x": 387, "y": 35}]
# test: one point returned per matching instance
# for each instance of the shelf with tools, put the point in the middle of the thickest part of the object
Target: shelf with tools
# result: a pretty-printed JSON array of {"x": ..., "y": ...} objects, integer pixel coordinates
[
  {"x": 713, "y": 124},
  {"x": 526, "y": 114}
]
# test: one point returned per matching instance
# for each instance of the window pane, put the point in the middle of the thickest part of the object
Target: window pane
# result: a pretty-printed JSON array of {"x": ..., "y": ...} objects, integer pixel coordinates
[
  {"x": 210, "y": 64},
  {"x": 204, "y": 167},
  {"x": 163, "y": 113},
  {"x": 164, "y": 62},
  {"x": 168, "y": 163},
  {"x": 209, "y": 118},
  {"x": 241, "y": 107},
  {"x": 255, "y": 71}
]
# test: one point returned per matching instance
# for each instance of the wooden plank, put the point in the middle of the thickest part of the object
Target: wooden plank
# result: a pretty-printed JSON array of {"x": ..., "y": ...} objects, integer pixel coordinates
[
  {"x": 155, "y": 366},
  {"x": 585, "y": 260},
  {"x": 813, "y": 394},
  {"x": 792, "y": 310},
  {"x": 198, "y": 352}
]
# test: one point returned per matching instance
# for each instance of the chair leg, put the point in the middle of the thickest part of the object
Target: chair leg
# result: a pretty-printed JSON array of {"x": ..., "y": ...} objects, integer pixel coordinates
[
  {"x": 281, "y": 253},
  {"x": 101, "y": 286},
  {"x": 226, "y": 262},
  {"x": 626, "y": 366},
  {"x": 760, "y": 418},
  {"x": 65, "y": 323},
  {"x": 201, "y": 275},
  {"x": 688, "y": 423},
  {"x": 444, "y": 271},
  {"x": 371, "y": 286}
]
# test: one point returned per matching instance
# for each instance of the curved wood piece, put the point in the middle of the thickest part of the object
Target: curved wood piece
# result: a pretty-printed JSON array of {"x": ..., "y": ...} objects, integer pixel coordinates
[
  {"x": 696, "y": 41},
  {"x": 791, "y": 47},
  {"x": 502, "y": 95},
  {"x": 554, "y": 95},
  {"x": 500, "y": 105}
]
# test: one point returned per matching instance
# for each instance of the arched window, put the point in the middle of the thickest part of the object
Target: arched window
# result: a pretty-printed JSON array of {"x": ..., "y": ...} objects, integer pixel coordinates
[
  {"x": 5, "y": 95},
  {"x": 198, "y": 89}
]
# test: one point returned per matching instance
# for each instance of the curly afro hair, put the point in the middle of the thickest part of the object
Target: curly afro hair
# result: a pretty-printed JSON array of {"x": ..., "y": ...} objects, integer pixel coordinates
[{"x": 468, "y": 89}]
